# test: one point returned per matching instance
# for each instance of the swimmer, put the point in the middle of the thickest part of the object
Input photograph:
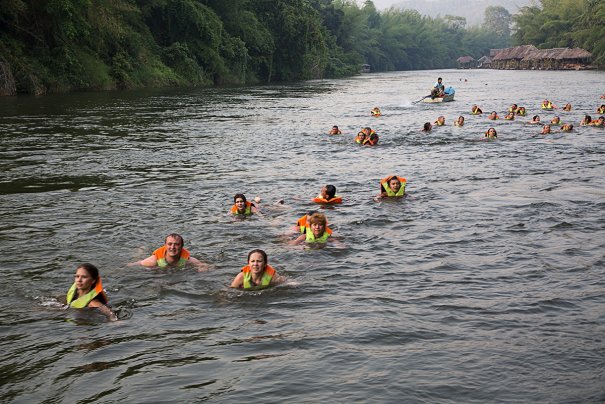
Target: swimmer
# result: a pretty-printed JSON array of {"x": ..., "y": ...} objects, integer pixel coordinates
[
  {"x": 87, "y": 291},
  {"x": 335, "y": 131},
  {"x": 304, "y": 222},
  {"x": 521, "y": 111},
  {"x": 491, "y": 133},
  {"x": 440, "y": 121},
  {"x": 459, "y": 122},
  {"x": 535, "y": 120},
  {"x": 242, "y": 207},
  {"x": 493, "y": 116},
  {"x": 555, "y": 121},
  {"x": 328, "y": 195},
  {"x": 258, "y": 274},
  {"x": 567, "y": 127},
  {"x": 545, "y": 130},
  {"x": 475, "y": 110},
  {"x": 427, "y": 127},
  {"x": 510, "y": 116},
  {"x": 367, "y": 137},
  {"x": 546, "y": 104},
  {"x": 567, "y": 107},
  {"x": 513, "y": 108},
  {"x": 601, "y": 109},
  {"x": 172, "y": 255},
  {"x": 376, "y": 111},
  {"x": 599, "y": 122},
  {"x": 587, "y": 120},
  {"x": 392, "y": 186},
  {"x": 315, "y": 231}
]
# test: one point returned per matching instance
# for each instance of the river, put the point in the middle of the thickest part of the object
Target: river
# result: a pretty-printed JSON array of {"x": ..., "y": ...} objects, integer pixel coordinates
[{"x": 485, "y": 284}]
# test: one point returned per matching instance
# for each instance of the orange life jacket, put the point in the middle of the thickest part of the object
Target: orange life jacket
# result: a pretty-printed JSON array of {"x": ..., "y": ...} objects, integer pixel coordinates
[
  {"x": 247, "y": 211},
  {"x": 302, "y": 225},
  {"x": 320, "y": 199}
]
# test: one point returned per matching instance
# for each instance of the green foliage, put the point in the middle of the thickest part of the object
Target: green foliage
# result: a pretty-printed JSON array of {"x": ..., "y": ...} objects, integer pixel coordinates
[{"x": 67, "y": 45}]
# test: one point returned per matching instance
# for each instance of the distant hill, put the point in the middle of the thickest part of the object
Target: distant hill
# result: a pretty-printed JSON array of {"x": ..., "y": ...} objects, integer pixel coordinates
[{"x": 472, "y": 10}]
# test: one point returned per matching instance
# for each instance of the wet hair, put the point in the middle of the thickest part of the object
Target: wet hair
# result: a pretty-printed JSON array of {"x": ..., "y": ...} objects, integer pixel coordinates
[
  {"x": 487, "y": 132},
  {"x": 535, "y": 117},
  {"x": 427, "y": 126},
  {"x": 176, "y": 236},
  {"x": 587, "y": 118},
  {"x": 318, "y": 218},
  {"x": 92, "y": 270},
  {"x": 239, "y": 196},
  {"x": 335, "y": 127},
  {"x": 261, "y": 252},
  {"x": 331, "y": 191}
]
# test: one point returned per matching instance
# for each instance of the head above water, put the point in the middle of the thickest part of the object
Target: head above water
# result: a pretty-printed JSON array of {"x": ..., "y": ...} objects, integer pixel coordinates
[
  {"x": 177, "y": 238},
  {"x": 330, "y": 191},
  {"x": 258, "y": 251},
  {"x": 92, "y": 270}
]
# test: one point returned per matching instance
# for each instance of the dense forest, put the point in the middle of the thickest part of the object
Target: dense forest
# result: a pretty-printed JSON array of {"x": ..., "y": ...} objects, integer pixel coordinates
[{"x": 76, "y": 45}]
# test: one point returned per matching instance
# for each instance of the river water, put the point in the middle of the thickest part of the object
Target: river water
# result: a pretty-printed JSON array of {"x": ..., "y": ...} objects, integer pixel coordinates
[{"x": 485, "y": 284}]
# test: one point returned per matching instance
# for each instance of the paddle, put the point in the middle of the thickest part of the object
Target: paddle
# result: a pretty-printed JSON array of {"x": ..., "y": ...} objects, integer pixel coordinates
[{"x": 426, "y": 96}]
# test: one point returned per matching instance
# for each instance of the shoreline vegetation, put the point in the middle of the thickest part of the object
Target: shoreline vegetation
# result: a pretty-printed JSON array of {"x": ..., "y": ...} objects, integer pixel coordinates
[{"x": 60, "y": 46}]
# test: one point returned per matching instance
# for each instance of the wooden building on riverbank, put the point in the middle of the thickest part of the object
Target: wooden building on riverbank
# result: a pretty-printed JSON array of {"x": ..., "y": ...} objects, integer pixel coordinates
[{"x": 528, "y": 57}]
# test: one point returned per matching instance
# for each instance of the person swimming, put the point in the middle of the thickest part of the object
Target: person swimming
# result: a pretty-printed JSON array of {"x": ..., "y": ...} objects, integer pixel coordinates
[
  {"x": 440, "y": 120},
  {"x": 257, "y": 274},
  {"x": 87, "y": 291},
  {"x": 376, "y": 111},
  {"x": 521, "y": 111},
  {"x": 475, "y": 110},
  {"x": 459, "y": 122},
  {"x": 392, "y": 186},
  {"x": 493, "y": 116},
  {"x": 427, "y": 127},
  {"x": 242, "y": 207},
  {"x": 535, "y": 120},
  {"x": 491, "y": 133},
  {"x": 315, "y": 232},
  {"x": 327, "y": 195},
  {"x": 510, "y": 116},
  {"x": 545, "y": 130},
  {"x": 335, "y": 131}
]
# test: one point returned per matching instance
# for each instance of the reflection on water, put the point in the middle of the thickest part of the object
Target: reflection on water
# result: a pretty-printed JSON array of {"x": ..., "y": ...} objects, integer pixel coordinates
[{"x": 484, "y": 284}]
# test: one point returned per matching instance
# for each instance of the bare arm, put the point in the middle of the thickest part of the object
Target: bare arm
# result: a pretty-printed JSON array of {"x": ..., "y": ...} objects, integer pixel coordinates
[
  {"x": 238, "y": 280},
  {"x": 298, "y": 240},
  {"x": 111, "y": 316},
  {"x": 201, "y": 266},
  {"x": 277, "y": 279},
  {"x": 150, "y": 261}
]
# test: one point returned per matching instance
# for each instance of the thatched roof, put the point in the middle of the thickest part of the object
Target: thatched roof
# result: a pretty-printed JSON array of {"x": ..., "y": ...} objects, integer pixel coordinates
[
  {"x": 465, "y": 59},
  {"x": 517, "y": 52},
  {"x": 558, "y": 54}
]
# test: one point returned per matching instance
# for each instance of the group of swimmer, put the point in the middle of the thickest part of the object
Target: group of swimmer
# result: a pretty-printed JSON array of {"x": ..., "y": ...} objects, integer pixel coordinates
[
  {"x": 312, "y": 228},
  {"x": 87, "y": 288}
]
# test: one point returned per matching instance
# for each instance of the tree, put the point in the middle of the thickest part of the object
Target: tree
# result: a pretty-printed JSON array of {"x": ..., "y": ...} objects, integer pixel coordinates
[{"x": 498, "y": 20}]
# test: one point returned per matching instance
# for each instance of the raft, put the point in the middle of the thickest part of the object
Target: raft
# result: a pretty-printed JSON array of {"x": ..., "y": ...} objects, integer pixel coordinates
[{"x": 449, "y": 96}]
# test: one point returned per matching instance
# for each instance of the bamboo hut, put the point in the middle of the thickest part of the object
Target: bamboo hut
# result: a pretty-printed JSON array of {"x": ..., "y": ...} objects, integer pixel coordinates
[
  {"x": 510, "y": 58},
  {"x": 484, "y": 62},
  {"x": 558, "y": 59},
  {"x": 466, "y": 62}
]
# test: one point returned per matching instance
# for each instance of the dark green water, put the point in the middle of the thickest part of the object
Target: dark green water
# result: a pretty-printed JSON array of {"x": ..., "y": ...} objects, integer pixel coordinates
[{"x": 484, "y": 285}]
